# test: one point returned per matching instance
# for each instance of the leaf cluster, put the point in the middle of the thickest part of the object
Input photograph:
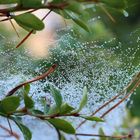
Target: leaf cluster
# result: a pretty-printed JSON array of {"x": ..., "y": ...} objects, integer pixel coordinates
[
  {"x": 10, "y": 107},
  {"x": 75, "y": 10}
]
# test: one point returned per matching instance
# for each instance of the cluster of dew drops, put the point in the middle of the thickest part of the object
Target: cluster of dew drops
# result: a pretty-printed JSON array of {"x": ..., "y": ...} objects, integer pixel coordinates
[{"x": 104, "y": 68}]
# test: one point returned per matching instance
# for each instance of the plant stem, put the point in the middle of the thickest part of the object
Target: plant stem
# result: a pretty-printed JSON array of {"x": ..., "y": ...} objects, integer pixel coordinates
[
  {"x": 29, "y": 34},
  {"x": 9, "y": 131},
  {"x": 136, "y": 77},
  {"x": 45, "y": 117},
  {"x": 51, "y": 70},
  {"x": 123, "y": 99},
  {"x": 10, "y": 126},
  {"x": 14, "y": 27},
  {"x": 105, "y": 136}
]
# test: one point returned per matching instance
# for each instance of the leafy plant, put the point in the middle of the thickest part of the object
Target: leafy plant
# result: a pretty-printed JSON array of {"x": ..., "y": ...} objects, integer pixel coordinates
[
  {"x": 75, "y": 10},
  {"x": 15, "y": 106},
  {"x": 10, "y": 108}
]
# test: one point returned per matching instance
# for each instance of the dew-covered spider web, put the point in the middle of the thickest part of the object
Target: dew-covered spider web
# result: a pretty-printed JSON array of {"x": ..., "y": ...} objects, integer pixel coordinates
[{"x": 105, "y": 68}]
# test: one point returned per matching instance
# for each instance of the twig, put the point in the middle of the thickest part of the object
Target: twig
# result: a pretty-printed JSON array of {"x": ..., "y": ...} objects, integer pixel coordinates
[
  {"x": 107, "y": 13},
  {"x": 12, "y": 17},
  {"x": 28, "y": 35},
  {"x": 123, "y": 99},
  {"x": 25, "y": 38},
  {"x": 105, "y": 136},
  {"x": 137, "y": 76},
  {"x": 46, "y": 117},
  {"x": 10, "y": 126},
  {"x": 14, "y": 134},
  {"x": 14, "y": 27},
  {"x": 51, "y": 70},
  {"x": 6, "y": 19},
  {"x": 58, "y": 133}
]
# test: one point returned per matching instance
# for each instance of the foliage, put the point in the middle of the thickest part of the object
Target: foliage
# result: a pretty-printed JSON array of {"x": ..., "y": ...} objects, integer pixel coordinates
[
  {"x": 78, "y": 11},
  {"x": 10, "y": 107},
  {"x": 68, "y": 9}
]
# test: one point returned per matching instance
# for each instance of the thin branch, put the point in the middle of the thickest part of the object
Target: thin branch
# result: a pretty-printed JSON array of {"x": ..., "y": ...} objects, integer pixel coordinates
[
  {"x": 107, "y": 13},
  {"x": 10, "y": 126},
  {"x": 45, "y": 117},
  {"x": 14, "y": 134},
  {"x": 136, "y": 77},
  {"x": 105, "y": 136},
  {"x": 6, "y": 19},
  {"x": 14, "y": 27},
  {"x": 48, "y": 6},
  {"x": 123, "y": 99},
  {"x": 25, "y": 38},
  {"x": 58, "y": 133},
  {"x": 28, "y": 35},
  {"x": 51, "y": 70},
  {"x": 23, "y": 13},
  {"x": 46, "y": 15}
]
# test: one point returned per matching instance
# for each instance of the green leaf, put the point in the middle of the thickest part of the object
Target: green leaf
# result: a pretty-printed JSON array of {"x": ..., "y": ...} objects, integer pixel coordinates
[
  {"x": 37, "y": 112},
  {"x": 29, "y": 20},
  {"x": 101, "y": 132},
  {"x": 62, "y": 136},
  {"x": 27, "y": 28},
  {"x": 53, "y": 110},
  {"x": 84, "y": 99},
  {"x": 92, "y": 118},
  {"x": 32, "y": 3},
  {"x": 29, "y": 103},
  {"x": 45, "y": 104},
  {"x": 25, "y": 130},
  {"x": 62, "y": 125},
  {"x": 26, "y": 88},
  {"x": 66, "y": 108},
  {"x": 81, "y": 24},
  {"x": 75, "y": 7},
  {"x": 57, "y": 96},
  {"x": 9, "y": 104},
  {"x": 9, "y": 1},
  {"x": 77, "y": 20}
]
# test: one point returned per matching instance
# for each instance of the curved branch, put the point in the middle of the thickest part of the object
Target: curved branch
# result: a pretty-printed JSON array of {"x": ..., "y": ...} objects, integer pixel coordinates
[
  {"x": 59, "y": 6},
  {"x": 51, "y": 70},
  {"x": 14, "y": 134}
]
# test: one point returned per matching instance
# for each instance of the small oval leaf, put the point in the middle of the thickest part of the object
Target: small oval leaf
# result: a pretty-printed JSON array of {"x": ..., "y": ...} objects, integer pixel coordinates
[
  {"x": 57, "y": 96},
  {"x": 9, "y": 104},
  {"x": 29, "y": 20},
  {"x": 32, "y": 3},
  {"x": 92, "y": 118},
  {"x": 66, "y": 108},
  {"x": 53, "y": 110},
  {"x": 77, "y": 20},
  {"x": 26, "y": 88},
  {"x": 84, "y": 99},
  {"x": 29, "y": 103},
  {"x": 62, "y": 125}
]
